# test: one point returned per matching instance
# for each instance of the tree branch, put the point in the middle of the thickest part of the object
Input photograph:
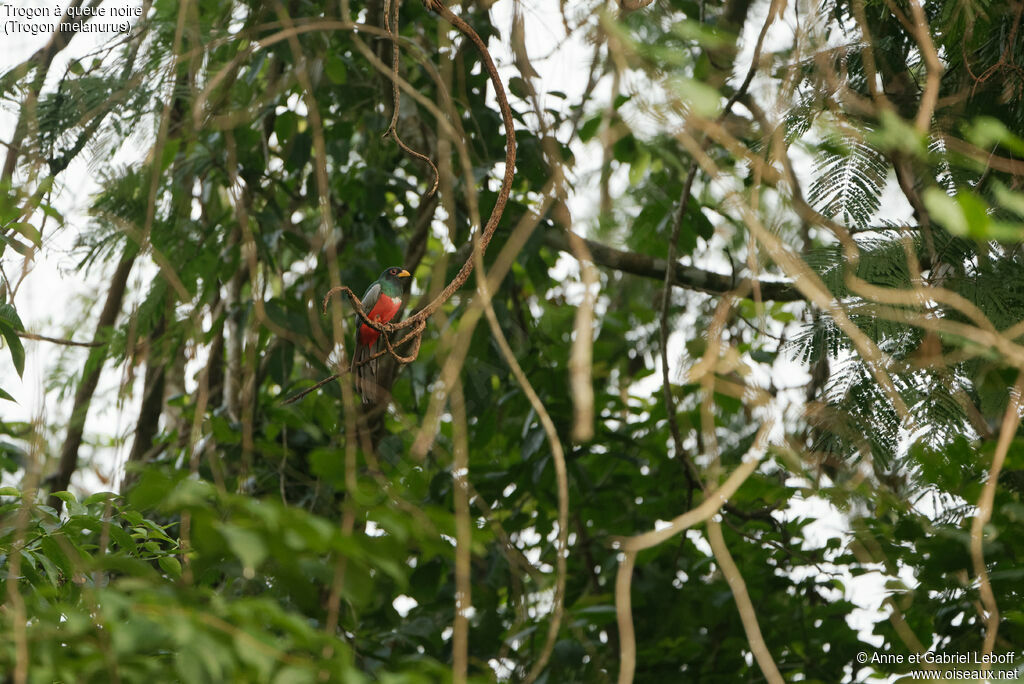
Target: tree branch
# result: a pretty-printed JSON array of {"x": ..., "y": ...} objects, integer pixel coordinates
[
  {"x": 687, "y": 277},
  {"x": 57, "y": 340}
]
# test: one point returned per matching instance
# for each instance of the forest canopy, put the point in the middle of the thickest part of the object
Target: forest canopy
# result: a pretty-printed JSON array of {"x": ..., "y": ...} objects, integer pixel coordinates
[{"x": 707, "y": 365}]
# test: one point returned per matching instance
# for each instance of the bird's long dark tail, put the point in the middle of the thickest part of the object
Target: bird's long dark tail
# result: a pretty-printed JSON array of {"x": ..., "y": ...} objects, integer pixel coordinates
[{"x": 366, "y": 374}]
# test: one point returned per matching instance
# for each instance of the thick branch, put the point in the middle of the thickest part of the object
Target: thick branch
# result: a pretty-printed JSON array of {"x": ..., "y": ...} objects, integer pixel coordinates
[
  {"x": 688, "y": 277},
  {"x": 152, "y": 396}
]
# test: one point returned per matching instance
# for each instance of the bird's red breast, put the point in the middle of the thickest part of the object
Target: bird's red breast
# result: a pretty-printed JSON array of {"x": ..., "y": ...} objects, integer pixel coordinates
[{"x": 384, "y": 310}]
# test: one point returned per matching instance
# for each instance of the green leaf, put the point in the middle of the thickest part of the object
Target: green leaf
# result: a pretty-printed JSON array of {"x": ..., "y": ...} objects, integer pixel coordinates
[
  {"x": 1014, "y": 201},
  {"x": 169, "y": 152},
  {"x": 589, "y": 128},
  {"x": 14, "y": 344},
  {"x": 66, "y": 497},
  {"x": 639, "y": 167},
  {"x": 329, "y": 465},
  {"x": 336, "y": 70},
  {"x": 55, "y": 552},
  {"x": 18, "y": 246},
  {"x": 986, "y": 132},
  {"x": 73, "y": 507},
  {"x": 122, "y": 538},
  {"x": 99, "y": 497},
  {"x": 967, "y": 215},
  {"x": 170, "y": 565},
  {"x": 248, "y": 546},
  {"x": 9, "y": 316},
  {"x": 697, "y": 32},
  {"x": 50, "y": 568},
  {"x": 294, "y": 675},
  {"x": 51, "y": 212},
  {"x": 517, "y": 86},
  {"x": 153, "y": 487},
  {"x": 702, "y": 98},
  {"x": 897, "y": 134},
  {"x": 946, "y": 210},
  {"x": 30, "y": 232}
]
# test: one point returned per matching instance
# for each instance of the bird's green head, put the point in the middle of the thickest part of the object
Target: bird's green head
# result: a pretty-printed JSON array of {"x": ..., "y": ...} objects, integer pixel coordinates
[{"x": 394, "y": 279}]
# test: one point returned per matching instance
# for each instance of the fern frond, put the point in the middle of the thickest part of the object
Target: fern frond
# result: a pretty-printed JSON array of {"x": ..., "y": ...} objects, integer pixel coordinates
[{"x": 849, "y": 179}]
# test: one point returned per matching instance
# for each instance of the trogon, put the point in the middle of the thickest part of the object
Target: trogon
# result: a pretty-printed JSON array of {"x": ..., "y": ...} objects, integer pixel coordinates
[{"x": 382, "y": 302}]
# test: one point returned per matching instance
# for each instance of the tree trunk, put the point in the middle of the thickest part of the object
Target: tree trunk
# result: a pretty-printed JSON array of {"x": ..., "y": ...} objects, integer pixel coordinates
[{"x": 152, "y": 399}]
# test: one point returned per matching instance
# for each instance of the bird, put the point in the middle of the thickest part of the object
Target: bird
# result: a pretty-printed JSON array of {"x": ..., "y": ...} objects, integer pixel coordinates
[{"x": 382, "y": 302}]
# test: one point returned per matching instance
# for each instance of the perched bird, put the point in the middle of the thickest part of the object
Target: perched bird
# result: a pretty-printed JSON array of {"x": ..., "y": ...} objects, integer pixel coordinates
[{"x": 382, "y": 302}]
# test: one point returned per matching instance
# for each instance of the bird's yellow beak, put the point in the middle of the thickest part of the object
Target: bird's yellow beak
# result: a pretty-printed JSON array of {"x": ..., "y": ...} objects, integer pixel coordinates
[{"x": 404, "y": 274}]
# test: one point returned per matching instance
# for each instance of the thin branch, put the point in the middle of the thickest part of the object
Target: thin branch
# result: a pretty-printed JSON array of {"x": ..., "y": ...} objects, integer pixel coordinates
[
  {"x": 868, "y": 57},
  {"x": 748, "y": 616},
  {"x": 581, "y": 356},
  {"x": 1011, "y": 420},
  {"x": 624, "y": 617},
  {"x": 582, "y": 351},
  {"x": 982, "y": 157},
  {"x": 714, "y": 500},
  {"x": 391, "y": 26},
  {"x": 633, "y": 545},
  {"x": 58, "y": 340},
  {"x": 463, "y": 536},
  {"x": 348, "y": 401},
  {"x": 693, "y": 478},
  {"x": 512, "y": 552},
  {"x": 933, "y": 67},
  {"x": 295, "y": 397},
  {"x": 457, "y": 340},
  {"x": 561, "y": 474}
]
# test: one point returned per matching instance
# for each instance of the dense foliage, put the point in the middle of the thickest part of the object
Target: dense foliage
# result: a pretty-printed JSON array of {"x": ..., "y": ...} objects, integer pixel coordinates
[{"x": 838, "y": 187}]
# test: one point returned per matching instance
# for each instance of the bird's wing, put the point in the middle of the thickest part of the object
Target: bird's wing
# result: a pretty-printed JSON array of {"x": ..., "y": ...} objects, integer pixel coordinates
[{"x": 369, "y": 301}]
